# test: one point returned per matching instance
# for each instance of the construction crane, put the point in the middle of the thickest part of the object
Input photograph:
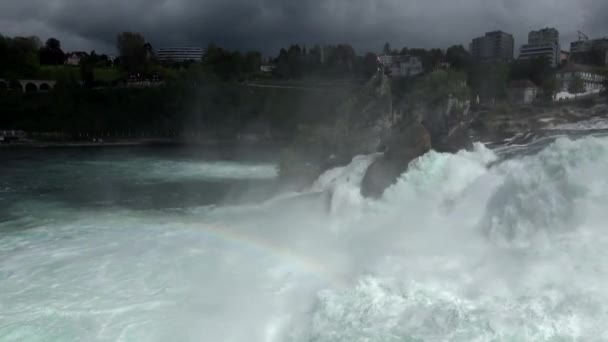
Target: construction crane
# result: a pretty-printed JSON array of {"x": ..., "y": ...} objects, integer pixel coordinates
[{"x": 582, "y": 36}]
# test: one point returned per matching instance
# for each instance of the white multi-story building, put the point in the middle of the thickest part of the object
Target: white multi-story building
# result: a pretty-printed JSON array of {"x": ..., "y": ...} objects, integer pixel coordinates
[
  {"x": 180, "y": 54},
  {"x": 593, "y": 80},
  {"x": 543, "y": 36},
  {"x": 549, "y": 51},
  {"x": 401, "y": 65},
  {"x": 542, "y": 44}
]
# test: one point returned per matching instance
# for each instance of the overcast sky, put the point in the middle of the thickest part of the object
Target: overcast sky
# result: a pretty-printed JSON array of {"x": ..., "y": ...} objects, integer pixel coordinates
[{"x": 266, "y": 25}]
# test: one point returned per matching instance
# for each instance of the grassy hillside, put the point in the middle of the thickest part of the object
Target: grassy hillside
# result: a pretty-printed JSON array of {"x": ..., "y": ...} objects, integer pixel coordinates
[
  {"x": 226, "y": 107},
  {"x": 67, "y": 74}
]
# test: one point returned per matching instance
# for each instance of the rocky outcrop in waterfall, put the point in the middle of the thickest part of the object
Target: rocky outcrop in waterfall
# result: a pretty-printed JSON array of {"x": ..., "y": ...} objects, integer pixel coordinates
[
  {"x": 405, "y": 144},
  {"x": 361, "y": 125},
  {"x": 443, "y": 128},
  {"x": 365, "y": 120},
  {"x": 367, "y": 123},
  {"x": 435, "y": 117}
]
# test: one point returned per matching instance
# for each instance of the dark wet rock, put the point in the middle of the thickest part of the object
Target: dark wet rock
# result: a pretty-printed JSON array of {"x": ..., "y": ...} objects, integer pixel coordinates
[
  {"x": 404, "y": 145},
  {"x": 458, "y": 138},
  {"x": 448, "y": 124},
  {"x": 334, "y": 161},
  {"x": 443, "y": 127},
  {"x": 367, "y": 123},
  {"x": 380, "y": 175},
  {"x": 362, "y": 124},
  {"x": 364, "y": 120}
]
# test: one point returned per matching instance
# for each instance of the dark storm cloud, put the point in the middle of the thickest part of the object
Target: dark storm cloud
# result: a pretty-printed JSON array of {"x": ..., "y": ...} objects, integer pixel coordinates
[{"x": 270, "y": 24}]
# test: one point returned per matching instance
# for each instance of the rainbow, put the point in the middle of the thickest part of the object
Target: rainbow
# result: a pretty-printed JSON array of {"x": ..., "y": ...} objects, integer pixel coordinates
[{"x": 276, "y": 250}]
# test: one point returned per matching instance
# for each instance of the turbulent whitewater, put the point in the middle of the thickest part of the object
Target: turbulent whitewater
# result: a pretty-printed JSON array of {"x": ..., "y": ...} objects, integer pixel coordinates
[{"x": 465, "y": 247}]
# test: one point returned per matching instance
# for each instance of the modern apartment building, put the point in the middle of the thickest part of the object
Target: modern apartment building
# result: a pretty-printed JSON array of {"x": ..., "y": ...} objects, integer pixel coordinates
[
  {"x": 543, "y": 36},
  {"x": 180, "y": 54},
  {"x": 542, "y": 44},
  {"x": 492, "y": 47},
  {"x": 590, "y": 51}
]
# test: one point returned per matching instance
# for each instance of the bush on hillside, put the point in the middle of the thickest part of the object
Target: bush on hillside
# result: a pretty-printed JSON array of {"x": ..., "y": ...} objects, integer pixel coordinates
[{"x": 437, "y": 86}]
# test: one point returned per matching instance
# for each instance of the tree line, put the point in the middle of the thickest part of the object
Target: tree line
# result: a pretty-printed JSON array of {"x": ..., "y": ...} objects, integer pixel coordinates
[{"x": 22, "y": 57}]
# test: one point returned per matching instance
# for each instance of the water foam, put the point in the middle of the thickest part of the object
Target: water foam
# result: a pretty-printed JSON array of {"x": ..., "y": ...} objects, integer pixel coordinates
[
  {"x": 462, "y": 252},
  {"x": 584, "y": 125},
  {"x": 461, "y": 248},
  {"x": 211, "y": 170}
]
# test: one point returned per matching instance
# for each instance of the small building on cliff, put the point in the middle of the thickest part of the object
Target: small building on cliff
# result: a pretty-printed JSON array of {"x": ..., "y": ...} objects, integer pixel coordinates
[
  {"x": 401, "y": 65},
  {"x": 74, "y": 58},
  {"x": 267, "y": 68},
  {"x": 522, "y": 91}
]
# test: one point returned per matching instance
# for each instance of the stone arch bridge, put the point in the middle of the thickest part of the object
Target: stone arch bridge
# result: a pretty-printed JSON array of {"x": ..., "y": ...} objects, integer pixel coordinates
[{"x": 28, "y": 86}]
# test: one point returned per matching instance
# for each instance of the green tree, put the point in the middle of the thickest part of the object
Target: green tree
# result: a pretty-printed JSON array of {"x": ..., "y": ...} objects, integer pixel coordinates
[
  {"x": 536, "y": 70},
  {"x": 4, "y": 46},
  {"x": 439, "y": 85},
  {"x": 283, "y": 70},
  {"x": 342, "y": 61},
  {"x": 489, "y": 80},
  {"x": 87, "y": 65},
  {"x": 387, "y": 49},
  {"x": 253, "y": 61},
  {"x": 21, "y": 58},
  {"x": 224, "y": 64},
  {"x": 51, "y": 53},
  {"x": 459, "y": 58},
  {"x": 132, "y": 49},
  {"x": 369, "y": 65},
  {"x": 430, "y": 58},
  {"x": 550, "y": 87},
  {"x": 294, "y": 61},
  {"x": 576, "y": 85},
  {"x": 604, "y": 73}
]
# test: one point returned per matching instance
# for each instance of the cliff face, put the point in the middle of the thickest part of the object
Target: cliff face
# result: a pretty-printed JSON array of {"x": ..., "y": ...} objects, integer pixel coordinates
[
  {"x": 443, "y": 127},
  {"x": 359, "y": 126},
  {"x": 366, "y": 124},
  {"x": 364, "y": 120},
  {"x": 448, "y": 125}
]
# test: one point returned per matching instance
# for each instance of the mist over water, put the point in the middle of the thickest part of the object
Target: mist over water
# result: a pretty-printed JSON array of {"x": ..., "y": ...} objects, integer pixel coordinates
[{"x": 141, "y": 246}]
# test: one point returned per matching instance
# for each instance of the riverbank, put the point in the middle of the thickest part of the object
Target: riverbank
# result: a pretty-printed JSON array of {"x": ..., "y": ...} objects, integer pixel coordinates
[
  {"x": 41, "y": 144},
  {"x": 142, "y": 142},
  {"x": 172, "y": 111}
]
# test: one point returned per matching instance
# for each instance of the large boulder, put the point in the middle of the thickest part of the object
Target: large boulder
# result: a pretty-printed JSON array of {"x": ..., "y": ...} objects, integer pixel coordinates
[
  {"x": 458, "y": 138},
  {"x": 448, "y": 124},
  {"x": 442, "y": 126},
  {"x": 405, "y": 144}
]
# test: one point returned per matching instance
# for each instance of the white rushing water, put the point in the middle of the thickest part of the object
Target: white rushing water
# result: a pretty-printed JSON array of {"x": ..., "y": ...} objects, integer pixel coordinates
[
  {"x": 597, "y": 123},
  {"x": 455, "y": 251}
]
